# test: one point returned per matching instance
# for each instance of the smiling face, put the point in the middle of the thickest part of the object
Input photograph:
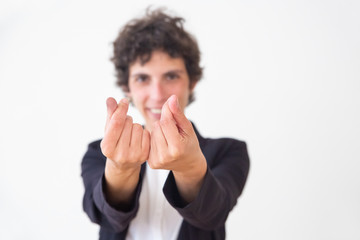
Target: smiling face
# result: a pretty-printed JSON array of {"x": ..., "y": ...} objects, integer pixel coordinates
[{"x": 151, "y": 84}]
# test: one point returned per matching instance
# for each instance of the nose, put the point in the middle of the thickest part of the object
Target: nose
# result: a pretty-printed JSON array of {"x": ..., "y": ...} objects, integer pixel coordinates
[{"x": 158, "y": 92}]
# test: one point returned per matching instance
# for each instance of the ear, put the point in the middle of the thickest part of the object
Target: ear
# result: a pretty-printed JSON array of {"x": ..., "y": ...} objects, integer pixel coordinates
[
  {"x": 127, "y": 93},
  {"x": 129, "y": 97},
  {"x": 193, "y": 85}
]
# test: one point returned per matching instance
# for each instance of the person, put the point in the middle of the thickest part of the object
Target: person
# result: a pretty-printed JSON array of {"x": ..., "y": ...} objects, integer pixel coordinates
[{"x": 162, "y": 180}]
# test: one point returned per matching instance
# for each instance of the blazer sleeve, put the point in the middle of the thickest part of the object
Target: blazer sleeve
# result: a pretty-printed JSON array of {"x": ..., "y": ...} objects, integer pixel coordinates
[
  {"x": 228, "y": 167},
  {"x": 94, "y": 202}
]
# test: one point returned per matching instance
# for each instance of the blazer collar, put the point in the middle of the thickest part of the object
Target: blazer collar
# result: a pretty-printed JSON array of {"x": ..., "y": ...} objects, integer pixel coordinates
[{"x": 200, "y": 138}]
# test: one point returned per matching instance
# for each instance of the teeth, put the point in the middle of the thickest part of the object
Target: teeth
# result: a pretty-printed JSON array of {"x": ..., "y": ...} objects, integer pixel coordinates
[{"x": 155, "y": 110}]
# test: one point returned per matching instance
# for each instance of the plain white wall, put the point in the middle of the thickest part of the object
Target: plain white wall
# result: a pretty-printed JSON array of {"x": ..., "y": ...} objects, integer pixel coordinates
[{"x": 282, "y": 75}]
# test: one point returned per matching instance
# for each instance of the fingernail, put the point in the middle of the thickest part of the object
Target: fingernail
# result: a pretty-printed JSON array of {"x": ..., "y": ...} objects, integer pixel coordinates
[{"x": 125, "y": 100}]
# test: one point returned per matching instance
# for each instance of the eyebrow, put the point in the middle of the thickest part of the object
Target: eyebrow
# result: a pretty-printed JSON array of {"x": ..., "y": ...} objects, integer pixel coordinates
[
  {"x": 179, "y": 71},
  {"x": 174, "y": 71},
  {"x": 139, "y": 74}
]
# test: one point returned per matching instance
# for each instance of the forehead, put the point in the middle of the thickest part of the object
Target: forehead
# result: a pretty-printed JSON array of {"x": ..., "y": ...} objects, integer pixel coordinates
[{"x": 159, "y": 61}]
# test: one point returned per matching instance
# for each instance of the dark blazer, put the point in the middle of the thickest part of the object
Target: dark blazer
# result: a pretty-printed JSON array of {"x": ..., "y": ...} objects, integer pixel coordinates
[{"x": 204, "y": 218}]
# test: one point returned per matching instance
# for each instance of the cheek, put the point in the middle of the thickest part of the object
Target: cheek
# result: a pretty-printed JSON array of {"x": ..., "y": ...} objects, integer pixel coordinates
[
  {"x": 136, "y": 93},
  {"x": 183, "y": 89},
  {"x": 184, "y": 97},
  {"x": 134, "y": 97}
]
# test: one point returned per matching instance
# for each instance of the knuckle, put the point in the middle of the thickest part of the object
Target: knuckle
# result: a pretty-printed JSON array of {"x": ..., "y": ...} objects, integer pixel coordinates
[
  {"x": 156, "y": 125},
  {"x": 183, "y": 140},
  {"x": 117, "y": 121},
  {"x": 122, "y": 156},
  {"x": 152, "y": 165},
  {"x": 138, "y": 155},
  {"x": 134, "y": 156},
  {"x": 104, "y": 149},
  {"x": 163, "y": 159},
  {"x": 129, "y": 119},
  {"x": 175, "y": 152},
  {"x": 102, "y": 144},
  {"x": 144, "y": 155},
  {"x": 105, "y": 152},
  {"x": 164, "y": 122},
  {"x": 137, "y": 128}
]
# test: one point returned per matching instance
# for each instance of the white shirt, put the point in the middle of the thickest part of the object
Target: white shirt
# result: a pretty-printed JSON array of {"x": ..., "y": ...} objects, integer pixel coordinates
[{"x": 156, "y": 218}]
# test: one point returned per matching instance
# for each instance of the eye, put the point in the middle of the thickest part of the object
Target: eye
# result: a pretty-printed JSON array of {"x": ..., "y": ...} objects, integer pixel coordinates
[
  {"x": 171, "y": 76},
  {"x": 141, "y": 78}
]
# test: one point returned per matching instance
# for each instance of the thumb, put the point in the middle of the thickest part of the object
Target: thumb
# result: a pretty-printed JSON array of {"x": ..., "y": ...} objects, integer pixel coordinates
[
  {"x": 178, "y": 114},
  {"x": 166, "y": 113}
]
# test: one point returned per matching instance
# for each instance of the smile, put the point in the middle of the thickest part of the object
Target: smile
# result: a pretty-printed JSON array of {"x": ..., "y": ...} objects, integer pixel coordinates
[{"x": 155, "y": 110}]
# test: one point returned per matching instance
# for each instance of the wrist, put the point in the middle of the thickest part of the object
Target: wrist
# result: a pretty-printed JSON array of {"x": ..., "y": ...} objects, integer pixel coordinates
[
  {"x": 113, "y": 169},
  {"x": 120, "y": 184},
  {"x": 193, "y": 173}
]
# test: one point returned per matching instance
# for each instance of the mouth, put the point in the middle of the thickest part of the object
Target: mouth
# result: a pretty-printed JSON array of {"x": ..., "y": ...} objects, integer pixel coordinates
[
  {"x": 154, "y": 113},
  {"x": 155, "y": 110}
]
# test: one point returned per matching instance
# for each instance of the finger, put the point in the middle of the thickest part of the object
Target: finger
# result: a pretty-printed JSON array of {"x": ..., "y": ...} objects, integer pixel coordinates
[
  {"x": 145, "y": 144},
  {"x": 182, "y": 122},
  {"x": 118, "y": 115},
  {"x": 158, "y": 137},
  {"x": 153, "y": 150},
  {"x": 114, "y": 127},
  {"x": 122, "y": 109},
  {"x": 158, "y": 147},
  {"x": 125, "y": 137},
  {"x": 168, "y": 126},
  {"x": 136, "y": 137},
  {"x": 111, "y": 106},
  {"x": 166, "y": 114}
]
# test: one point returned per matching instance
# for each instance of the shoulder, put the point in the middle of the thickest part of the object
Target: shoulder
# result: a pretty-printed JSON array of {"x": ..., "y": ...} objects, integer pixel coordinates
[
  {"x": 224, "y": 143},
  {"x": 215, "y": 149},
  {"x": 221, "y": 148},
  {"x": 95, "y": 145},
  {"x": 94, "y": 151},
  {"x": 228, "y": 161},
  {"x": 219, "y": 143}
]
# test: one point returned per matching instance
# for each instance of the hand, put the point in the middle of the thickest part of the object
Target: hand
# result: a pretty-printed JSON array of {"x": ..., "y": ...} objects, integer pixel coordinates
[
  {"x": 125, "y": 144},
  {"x": 174, "y": 146}
]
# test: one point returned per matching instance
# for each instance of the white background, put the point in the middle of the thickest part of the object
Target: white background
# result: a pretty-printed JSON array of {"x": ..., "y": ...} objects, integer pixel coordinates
[{"x": 282, "y": 75}]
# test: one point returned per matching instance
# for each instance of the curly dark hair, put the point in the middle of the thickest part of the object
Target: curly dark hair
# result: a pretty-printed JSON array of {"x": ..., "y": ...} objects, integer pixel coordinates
[{"x": 155, "y": 31}]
